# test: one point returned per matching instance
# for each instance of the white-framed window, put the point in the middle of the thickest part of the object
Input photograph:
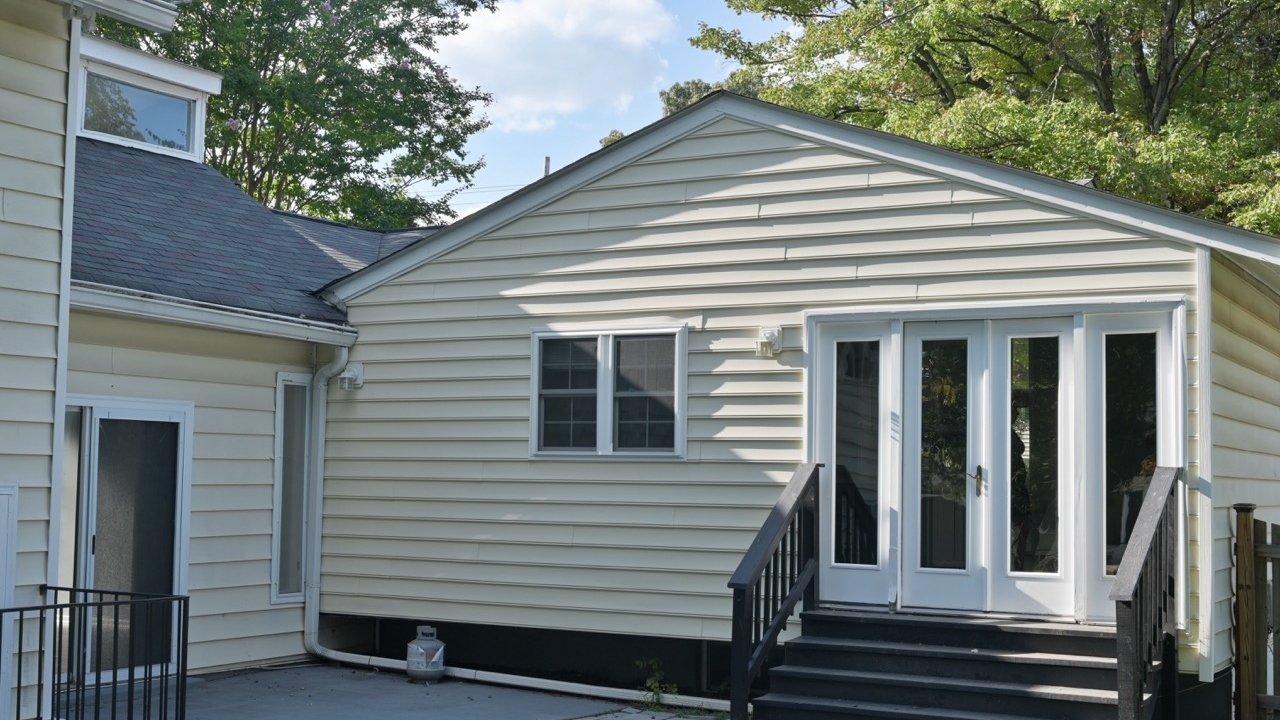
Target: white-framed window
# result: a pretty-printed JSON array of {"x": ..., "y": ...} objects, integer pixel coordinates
[
  {"x": 614, "y": 392},
  {"x": 293, "y": 404},
  {"x": 136, "y": 99}
]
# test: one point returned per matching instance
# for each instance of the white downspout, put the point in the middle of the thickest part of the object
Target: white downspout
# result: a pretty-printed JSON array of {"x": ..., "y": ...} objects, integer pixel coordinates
[
  {"x": 315, "y": 517},
  {"x": 311, "y": 596}
]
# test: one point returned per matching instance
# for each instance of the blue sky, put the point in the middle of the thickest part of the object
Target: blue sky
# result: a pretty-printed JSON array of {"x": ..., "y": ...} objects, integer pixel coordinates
[{"x": 563, "y": 73}]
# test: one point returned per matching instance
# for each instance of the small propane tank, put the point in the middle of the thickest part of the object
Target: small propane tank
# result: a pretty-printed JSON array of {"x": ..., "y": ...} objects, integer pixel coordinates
[{"x": 426, "y": 655}]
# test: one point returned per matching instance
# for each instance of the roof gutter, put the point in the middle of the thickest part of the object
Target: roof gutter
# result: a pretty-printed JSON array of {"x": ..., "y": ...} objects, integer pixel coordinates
[
  {"x": 154, "y": 15},
  {"x": 132, "y": 303}
]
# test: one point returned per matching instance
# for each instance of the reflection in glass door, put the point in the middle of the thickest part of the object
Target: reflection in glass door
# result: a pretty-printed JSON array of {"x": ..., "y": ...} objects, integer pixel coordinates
[
  {"x": 942, "y": 465},
  {"x": 1032, "y": 538}
]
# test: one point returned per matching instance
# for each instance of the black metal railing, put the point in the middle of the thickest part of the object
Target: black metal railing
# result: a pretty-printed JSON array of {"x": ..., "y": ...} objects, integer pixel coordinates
[
  {"x": 778, "y": 571},
  {"x": 97, "y": 654},
  {"x": 1145, "y": 593}
]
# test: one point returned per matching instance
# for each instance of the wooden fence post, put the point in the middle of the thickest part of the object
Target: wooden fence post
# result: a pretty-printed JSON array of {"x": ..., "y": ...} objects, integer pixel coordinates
[{"x": 1246, "y": 616}]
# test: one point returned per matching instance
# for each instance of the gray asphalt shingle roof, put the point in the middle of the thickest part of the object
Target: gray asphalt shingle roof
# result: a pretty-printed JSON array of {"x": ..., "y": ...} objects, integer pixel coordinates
[
  {"x": 353, "y": 247},
  {"x": 157, "y": 224}
]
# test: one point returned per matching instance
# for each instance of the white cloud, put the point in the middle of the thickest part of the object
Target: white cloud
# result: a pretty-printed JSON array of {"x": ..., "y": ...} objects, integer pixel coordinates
[{"x": 546, "y": 59}]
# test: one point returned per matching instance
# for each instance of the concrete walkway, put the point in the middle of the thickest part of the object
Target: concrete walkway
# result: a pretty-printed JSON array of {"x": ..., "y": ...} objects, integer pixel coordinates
[{"x": 323, "y": 692}]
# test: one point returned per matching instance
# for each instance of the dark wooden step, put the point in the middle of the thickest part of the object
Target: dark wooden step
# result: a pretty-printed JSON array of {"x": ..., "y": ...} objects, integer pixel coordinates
[
  {"x": 778, "y": 706},
  {"x": 966, "y": 632},
  {"x": 983, "y": 696},
  {"x": 1018, "y": 666}
]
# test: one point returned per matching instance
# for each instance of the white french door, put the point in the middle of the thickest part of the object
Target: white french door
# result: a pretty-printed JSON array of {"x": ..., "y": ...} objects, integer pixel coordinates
[
  {"x": 948, "y": 480},
  {"x": 943, "y": 455}
]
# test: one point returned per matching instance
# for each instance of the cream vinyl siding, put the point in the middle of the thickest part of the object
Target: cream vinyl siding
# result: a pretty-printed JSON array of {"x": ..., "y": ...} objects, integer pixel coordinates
[
  {"x": 34, "y": 48},
  {"x": 1246, "y": 422},
  {"x": 231, "y": 378},
  {"x": 433, "y": 508}
]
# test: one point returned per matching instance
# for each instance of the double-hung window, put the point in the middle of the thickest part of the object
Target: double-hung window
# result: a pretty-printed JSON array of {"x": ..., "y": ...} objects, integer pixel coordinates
[{"x": 609, "y": 393}]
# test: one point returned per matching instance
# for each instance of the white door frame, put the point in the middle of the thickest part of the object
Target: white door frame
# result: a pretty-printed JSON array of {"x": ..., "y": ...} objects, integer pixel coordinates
[
  {"x": 1032, "y": 593},
  {"x": 1094, "y": 603},
  {"x": 864, "y": 584},
  {"x": 1089, "y": 315},
  {"x": 106, "y": 407},
  {"x": 944, "y": 588},
  {"x": 95, "y": 408}
]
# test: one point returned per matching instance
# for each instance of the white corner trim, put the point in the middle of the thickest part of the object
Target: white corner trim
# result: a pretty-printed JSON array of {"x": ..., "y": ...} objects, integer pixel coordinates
[
  {"x": 116, "y": 301},
  {"x": 1204, "y": 460}
]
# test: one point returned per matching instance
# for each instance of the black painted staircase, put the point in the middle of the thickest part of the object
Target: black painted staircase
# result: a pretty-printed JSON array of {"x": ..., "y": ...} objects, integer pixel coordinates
[{"x": 855, "y": 665}]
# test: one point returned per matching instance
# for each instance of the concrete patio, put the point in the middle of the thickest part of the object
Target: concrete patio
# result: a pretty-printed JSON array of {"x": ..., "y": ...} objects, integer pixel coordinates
[{"x": 324, "y": 692}]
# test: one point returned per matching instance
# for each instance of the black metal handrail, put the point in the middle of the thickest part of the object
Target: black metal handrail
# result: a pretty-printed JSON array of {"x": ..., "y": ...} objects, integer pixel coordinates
[
  {"x": 1145, "y": 593},
  {"x": 779, "y": 569},
  {"x": 94, "y": 653}
]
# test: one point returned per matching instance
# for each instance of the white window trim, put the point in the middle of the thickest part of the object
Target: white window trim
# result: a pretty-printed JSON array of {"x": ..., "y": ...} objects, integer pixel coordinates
[
  {"x": 604, "y": 391},
  {"x": 198, "y": 109},
  {"x": 277, "y": 486}
]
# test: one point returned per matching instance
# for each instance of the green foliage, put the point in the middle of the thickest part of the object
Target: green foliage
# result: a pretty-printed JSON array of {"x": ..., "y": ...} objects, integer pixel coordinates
[
  {"x": 744, "y": 81},
  {"x": 614, "y": 136},
  {"x": 655, "y": 685},
  {"x": 333, "y": 108},
  {"x": 1164, "y": 101}
]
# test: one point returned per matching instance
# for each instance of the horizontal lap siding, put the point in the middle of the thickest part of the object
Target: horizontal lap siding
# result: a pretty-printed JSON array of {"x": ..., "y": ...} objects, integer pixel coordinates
[
  {"x": 1246, "y": 422},
  {"x": 433, "y": 509},
  {"x": 34, "y": 52},
  {"x": 231, "y": 379}
]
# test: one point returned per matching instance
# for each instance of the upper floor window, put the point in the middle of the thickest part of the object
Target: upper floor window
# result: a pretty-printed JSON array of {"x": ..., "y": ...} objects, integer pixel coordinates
[
  {"x": 141, "y": 100},
  {"x": 610, "y": 392},
  {"x": 135, "y": 113}
]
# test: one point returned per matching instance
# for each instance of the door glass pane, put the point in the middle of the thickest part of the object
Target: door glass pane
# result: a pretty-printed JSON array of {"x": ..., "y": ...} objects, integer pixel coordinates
[
  {"x": 944, "y": 443},
  {"x": 1130, "y": 435},
  {"x": 857, "y": 479},
  {"x": 134, "y": 536},
  {"x": 1033, "y": 465}
]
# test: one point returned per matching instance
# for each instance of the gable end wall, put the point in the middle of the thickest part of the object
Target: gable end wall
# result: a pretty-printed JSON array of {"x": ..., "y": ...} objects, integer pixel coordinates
[{"x": 433, "y": 509}]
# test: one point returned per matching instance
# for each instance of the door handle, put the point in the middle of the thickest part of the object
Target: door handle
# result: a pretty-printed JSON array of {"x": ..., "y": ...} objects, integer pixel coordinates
[{"x": 977, "y": 484}]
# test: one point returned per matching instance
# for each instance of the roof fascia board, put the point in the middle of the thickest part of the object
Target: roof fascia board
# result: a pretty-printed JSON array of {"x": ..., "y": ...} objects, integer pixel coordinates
[
  {"x": 168, "y": 71},
  {"x": 1145, "y": 218},
  {"x": 154, "y": 15},
  {"x": 114, "y": 301},
  {"x": 520, "y": 203}
]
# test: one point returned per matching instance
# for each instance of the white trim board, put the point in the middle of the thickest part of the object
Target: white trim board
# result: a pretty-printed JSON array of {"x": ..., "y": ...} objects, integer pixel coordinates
[
  {"x": 8, "y": 577},
  {"x": 1041, "y": 189},
  {"x": 116, "y": 301}
]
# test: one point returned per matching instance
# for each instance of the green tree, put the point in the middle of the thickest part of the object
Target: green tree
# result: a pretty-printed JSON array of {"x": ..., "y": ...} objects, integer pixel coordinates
[
  {"x": 1166, "y": 101},
  {"x": 743, "y": 81},
  {"x": 330, "y": 107},
  {"x": 614, "y": 136}
]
